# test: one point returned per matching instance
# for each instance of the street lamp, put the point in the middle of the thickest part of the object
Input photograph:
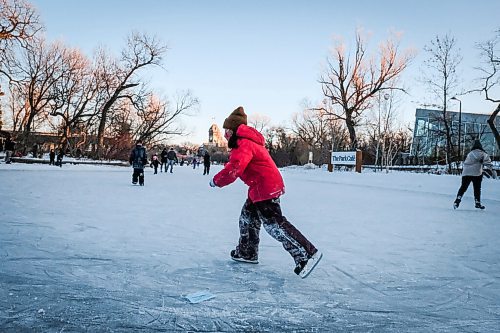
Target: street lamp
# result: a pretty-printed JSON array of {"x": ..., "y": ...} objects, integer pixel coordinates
[
  {"x": 459, "y": 127},
  {"x": 1, "y": 116}
]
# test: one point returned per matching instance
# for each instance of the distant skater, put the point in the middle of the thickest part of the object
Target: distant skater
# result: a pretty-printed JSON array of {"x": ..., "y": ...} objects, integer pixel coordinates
[
  {"x": 206, "y": 163},
  {"x": 172, "y": 159},
  {"x": 473, "y": 172},
  {"x": 250, "y": 161},
  {"x": 9, "y": 149},
  {"x": 163, "y": 160},
  {"x": 155, "y": 163},
  {"x": 52, "y": 157},
  {"x": 138, "y": 159},
  {"x": 60, "y": 156}
]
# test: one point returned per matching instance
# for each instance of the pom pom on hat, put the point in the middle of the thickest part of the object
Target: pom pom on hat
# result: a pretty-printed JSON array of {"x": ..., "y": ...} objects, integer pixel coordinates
[{"x": 235, "y": 119}]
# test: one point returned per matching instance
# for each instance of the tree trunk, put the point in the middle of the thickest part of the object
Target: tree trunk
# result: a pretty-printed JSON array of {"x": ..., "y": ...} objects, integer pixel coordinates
[
  {"x": 352, "y": 131},
  {"x": 491, "y": 122},
  {"x": 26, "y": 131},
  {"x": 104, "y": 115}
]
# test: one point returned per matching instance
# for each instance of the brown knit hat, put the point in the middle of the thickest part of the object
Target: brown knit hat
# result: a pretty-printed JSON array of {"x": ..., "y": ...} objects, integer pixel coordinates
[{"x": 235, "y": 119}]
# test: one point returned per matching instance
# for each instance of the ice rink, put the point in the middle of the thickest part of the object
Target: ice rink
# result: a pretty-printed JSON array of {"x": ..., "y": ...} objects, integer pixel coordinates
[{"x": 81, "y": 249}]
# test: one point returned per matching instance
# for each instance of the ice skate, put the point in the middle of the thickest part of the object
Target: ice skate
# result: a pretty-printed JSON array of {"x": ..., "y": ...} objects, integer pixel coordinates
[
  {"x": 236, "y": 256},
  {"x": 304, "y": 268},
  {"x": 456, "y": 203},
  {"x": 478, "y": 205}
]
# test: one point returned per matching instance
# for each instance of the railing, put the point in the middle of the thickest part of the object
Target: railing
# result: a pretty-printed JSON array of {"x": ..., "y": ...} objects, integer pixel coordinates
[
  {"x": 72, "y": 161},
  {"x": 419, "y": 168}
]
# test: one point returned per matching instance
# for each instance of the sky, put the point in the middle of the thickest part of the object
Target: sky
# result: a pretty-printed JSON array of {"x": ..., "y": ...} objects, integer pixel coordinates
[
  {"x": 396, "y": 256},
  {"x": 267, "y": 56}
]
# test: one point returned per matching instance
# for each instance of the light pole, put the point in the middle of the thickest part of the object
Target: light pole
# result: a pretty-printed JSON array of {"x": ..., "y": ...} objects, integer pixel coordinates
[
  {"x": 1, "y": 115},
  {"x": 459, "y": 127}
]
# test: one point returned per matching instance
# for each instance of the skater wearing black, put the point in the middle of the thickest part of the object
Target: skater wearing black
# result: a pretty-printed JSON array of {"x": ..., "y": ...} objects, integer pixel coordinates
[
  {"x": 473, "y": 172},
  {"x": 60, "y": 156},
  {"x": 138, "y": 159},
  {"x": 155, "y": 163},
  {"x": 52, "y": 157},
  {"x": 10, "y": 146},
  {"x": 163, "y": 160},
  {"x": 250, "y": 161},
  {"x": 206, "y": 163}
]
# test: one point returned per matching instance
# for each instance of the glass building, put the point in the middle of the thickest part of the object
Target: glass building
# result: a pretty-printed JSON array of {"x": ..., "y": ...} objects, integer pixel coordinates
[{"x": 429, "y": 135}]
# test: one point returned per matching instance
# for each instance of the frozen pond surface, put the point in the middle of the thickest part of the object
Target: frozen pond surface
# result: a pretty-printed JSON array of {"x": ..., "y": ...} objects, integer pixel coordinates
[{"x": 81, "y": 249}]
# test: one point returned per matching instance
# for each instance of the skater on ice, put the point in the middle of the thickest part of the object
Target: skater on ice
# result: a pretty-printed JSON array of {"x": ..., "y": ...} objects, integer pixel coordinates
[
  {"x": 163, "y": 160},
  {"x": 138, "y": 159},
  {"x": 9, "y": 149},
  {"x": 172, "y": 159},
  {"x": 60, "y": 156},
  {"x": 155, "y": 163},
  {"x": 250, "y": 161},
  {"x": 206, "y": 163},
  {"x": 473, "y": 172},
  {"x": 52, "y": 157}
]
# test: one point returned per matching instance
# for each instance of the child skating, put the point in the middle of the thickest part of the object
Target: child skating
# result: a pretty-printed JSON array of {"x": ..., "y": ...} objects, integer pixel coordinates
[{"x": 250, "y": 161}]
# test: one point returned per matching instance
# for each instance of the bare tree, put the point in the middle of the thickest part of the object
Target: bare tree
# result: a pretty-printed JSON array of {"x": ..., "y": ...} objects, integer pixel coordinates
[
  {"x": 156, "y": 120},
  {"x": 118, "y": 77},
  {"x": 319, "y": 132},
  {"x": 351, "y": 85},
  {"x": 74, "y": 96},
  {"x": 397, "y": 142},
  {"x": 259, "y": 121},
  {"x": 490, "y": 54},
  {"x": 18, "y": 21},
  {"x": 282, "y": 146},
  {"x": 311, "y": 126},
  {"x": 442, "y": 80},
  {"x": 33, "y": 75}
]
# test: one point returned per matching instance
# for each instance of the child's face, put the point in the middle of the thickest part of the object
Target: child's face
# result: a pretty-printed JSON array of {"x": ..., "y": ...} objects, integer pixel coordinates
[{"x": 228, "y": 133}]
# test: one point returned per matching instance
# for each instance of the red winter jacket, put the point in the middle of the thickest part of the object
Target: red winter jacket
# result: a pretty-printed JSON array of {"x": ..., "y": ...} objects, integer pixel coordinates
[{"x": 252, "y": 163}]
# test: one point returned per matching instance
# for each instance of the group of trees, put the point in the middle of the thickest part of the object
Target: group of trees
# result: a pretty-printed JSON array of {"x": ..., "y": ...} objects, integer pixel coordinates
[
  {"x": 58, "y": 88},
  {"x": 103, "y": 102},
  {"x": 362, "y": 93}
]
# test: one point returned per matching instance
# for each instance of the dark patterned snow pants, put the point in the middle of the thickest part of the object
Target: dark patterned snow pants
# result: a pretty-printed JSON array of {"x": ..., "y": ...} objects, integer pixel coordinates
[
  {"x": 269, "y": 214},
  {"x": 138, "y": 173}
]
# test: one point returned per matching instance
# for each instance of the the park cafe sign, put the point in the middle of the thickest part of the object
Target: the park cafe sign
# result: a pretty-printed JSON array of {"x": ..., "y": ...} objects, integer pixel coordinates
[{"x": 344, "y": 157}]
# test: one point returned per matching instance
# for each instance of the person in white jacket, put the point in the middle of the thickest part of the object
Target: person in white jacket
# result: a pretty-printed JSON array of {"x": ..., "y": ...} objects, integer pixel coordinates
[{"x": 472, "y": 171}]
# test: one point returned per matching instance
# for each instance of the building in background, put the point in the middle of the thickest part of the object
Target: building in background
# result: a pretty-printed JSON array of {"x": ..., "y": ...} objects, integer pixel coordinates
[
  {"x": 215, "y": 138},
  {"x": 429, "y": 135},
  {"x": 216, "y": 146}
]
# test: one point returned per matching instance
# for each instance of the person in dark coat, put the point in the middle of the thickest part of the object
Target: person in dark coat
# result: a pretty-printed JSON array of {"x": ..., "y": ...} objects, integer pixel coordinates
[
  {"x": 60, "y": 156},
  {"x": 52, "y": 157},
  {"x": 34, "y": 150},
  {"x": 155, "y": 163},
  {"x": 163, "y": 160},
  {"x": 250, "y": 161},
  {"x": 473, "y": 172},
  {"x": 10, "y": 146},
  {"x": 206, "y": 163},
  {"x": 138, "y": 159}
]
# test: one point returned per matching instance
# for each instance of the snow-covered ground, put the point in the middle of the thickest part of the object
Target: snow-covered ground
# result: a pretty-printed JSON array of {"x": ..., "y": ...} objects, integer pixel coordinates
[{"x": 81, "y": 249}]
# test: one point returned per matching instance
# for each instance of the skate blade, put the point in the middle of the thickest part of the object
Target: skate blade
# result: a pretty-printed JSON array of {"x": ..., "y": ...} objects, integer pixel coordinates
[
  {"x": 311, "y": 264},
  {"x": 245, "y": 260}
]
